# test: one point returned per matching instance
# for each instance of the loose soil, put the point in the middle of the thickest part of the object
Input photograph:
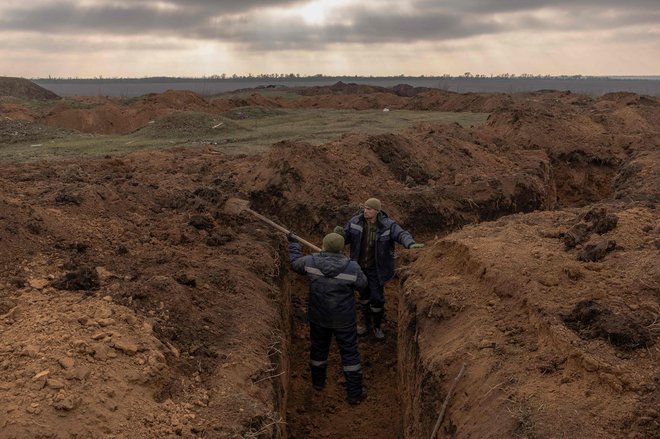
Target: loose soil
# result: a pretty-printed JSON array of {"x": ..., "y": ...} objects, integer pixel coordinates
[{"x": 133, "y": 305}]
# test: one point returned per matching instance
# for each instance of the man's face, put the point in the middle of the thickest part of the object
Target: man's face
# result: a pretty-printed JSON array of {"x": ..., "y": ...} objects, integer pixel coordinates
[{"x": 370, "y": 214}]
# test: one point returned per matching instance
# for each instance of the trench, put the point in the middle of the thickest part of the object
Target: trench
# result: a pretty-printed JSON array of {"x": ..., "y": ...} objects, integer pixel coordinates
[
  {"x": 327, "y": 414},
  {"x": 401, "y": 399}
]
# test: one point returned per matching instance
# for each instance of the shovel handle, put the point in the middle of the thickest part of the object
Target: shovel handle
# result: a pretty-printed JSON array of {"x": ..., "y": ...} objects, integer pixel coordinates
[{"x": 282, "y": 229}]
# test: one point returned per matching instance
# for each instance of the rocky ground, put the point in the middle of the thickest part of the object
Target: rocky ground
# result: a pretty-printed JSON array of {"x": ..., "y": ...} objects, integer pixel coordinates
[{"x": 133, "y": 304}]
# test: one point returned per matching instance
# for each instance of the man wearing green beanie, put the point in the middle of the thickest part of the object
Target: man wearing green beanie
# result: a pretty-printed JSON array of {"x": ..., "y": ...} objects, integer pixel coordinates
[
  {"x": 331, "y": 310},
  {"x": 371, "y": 235}
]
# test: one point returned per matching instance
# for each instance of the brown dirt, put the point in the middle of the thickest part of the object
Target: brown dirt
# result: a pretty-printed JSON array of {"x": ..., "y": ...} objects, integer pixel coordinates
[{"x": 132, "y": 305}]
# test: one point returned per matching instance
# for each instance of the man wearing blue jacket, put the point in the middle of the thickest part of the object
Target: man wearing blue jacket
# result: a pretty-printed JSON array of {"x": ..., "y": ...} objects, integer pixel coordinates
[
  {"x": 372, "y": 235},
  {"x": 331, "y": 310}
]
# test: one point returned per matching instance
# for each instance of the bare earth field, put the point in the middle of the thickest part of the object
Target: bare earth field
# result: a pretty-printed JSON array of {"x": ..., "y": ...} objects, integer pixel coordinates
[{"x": 133, "y": 304}]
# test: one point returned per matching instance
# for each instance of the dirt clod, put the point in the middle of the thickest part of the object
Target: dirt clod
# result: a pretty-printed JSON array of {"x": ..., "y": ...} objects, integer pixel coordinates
[
  {"x": 591, "y": 320},
  {"x": 83, "y": 278}
]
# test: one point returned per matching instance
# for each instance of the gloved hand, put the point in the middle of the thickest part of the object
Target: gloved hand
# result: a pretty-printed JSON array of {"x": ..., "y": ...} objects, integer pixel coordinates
[
  {"x": 339, "y": 230},
  {"x": 416, "y": 246},
  {"x": 291, "y": 236}
]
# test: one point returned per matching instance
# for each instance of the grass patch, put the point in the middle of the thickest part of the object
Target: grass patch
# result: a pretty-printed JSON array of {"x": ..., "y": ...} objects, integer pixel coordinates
[
  {"x": 77, "y": 147},
  {"x": 252, "y": 134},
  {"x": 252, "y": 112}
]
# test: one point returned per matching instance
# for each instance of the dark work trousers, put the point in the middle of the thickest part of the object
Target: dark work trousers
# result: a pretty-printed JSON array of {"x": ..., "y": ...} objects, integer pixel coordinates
[
  {"x": 350, "y": 357},
  {"x": 372, "y": 300}
]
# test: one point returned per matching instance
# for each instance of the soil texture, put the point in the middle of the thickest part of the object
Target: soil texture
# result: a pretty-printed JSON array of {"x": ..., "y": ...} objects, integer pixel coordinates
[{"x": 134, "y": 305}]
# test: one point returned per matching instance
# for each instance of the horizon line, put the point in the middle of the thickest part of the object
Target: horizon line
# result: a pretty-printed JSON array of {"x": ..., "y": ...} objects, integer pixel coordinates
[{"x": 292, "y": 76}]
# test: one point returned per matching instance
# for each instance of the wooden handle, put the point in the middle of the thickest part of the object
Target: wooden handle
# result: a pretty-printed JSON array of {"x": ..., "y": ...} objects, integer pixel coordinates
[{"x": 282, "y": 229}]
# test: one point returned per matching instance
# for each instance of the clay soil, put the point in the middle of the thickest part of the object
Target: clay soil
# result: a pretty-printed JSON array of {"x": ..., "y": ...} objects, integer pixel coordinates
[{"x": 134, "y": 304}]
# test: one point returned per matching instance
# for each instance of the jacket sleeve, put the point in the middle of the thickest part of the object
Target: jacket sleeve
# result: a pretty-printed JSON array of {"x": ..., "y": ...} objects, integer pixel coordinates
[
  {"x": 347, "y": 232},
  {"x": 295, "y": 256},
  {"x": 401, "y": 236}
]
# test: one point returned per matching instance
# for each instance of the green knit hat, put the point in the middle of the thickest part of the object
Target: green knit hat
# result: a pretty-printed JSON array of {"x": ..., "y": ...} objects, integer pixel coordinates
[
  {"x": 373, "y": 203},
  {"x": 333, "y": 242}
]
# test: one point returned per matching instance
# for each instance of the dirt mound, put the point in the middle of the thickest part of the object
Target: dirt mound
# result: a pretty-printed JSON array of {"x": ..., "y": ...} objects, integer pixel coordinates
[
  {"x": 107, "y": 118},
  {"x": 435, "y": 176},
  {"x": 24, "y": 89},
  {"x": 340, "y": 88},
  {"x": 167, "y": 316},
  {"x": 174, "y": 100},
  {"x": 187, "y": 124},
  {"x": 371, "y": 101},
  {"x": 530, "y": 119},
  {"x": 117, "y": 116},
  {"x": 15, "y": 109},
  {"x": 544, "y": 336},
  {"x": 439, "y": 100},
  {"x": 586, "y": 145},
  {"x": 152, "y": 315}
]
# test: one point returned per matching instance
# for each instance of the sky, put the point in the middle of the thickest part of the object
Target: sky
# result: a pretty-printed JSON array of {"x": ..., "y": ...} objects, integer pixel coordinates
[{"x": 194, "y": 38}]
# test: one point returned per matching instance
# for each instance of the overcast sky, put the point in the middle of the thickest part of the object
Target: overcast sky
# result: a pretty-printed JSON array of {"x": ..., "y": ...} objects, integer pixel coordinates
[{"x": 136, "y": 38}]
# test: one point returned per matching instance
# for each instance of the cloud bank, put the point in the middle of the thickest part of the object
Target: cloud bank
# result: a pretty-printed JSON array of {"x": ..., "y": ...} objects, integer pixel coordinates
[{"x": 265, "y": 26}]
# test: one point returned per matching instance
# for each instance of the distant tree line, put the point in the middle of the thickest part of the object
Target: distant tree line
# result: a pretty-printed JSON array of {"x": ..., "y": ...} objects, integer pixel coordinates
[{"x": 262, "y": 76}]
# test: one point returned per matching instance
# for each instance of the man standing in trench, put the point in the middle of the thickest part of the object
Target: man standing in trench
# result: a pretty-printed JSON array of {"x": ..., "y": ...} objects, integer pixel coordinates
[
  {"x": 372, "y": 235},
  {"x": 331, "y": 310}
]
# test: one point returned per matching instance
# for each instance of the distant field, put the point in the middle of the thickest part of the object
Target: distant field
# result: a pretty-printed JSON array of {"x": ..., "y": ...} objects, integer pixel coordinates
[
  {"x": 246, "y": 130},
  {"x": 595, "y": 86}
]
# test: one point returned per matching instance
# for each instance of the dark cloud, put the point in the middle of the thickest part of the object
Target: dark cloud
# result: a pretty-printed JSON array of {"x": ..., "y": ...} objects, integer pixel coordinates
[
  {"x": 365, "y": 29},
  {"x": 369, "y": 27},
  {"x": 508, "y": 6},
  {"x": 223, "y": 6},
  {"x": 419, "y": 27},
  {"x": 238, "y": 22},
  {"x": 127, "y": 17},
  {"x": 62, "y": 46}
]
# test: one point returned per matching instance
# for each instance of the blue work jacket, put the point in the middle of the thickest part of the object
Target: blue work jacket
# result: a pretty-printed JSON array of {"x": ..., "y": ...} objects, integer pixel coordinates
[
  {"x": 333, "y": 277},
  {"x": 388, "y": 232}
]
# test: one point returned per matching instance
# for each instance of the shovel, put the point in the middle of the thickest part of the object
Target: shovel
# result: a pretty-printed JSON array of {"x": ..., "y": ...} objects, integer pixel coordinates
[{"x": 234, "y": 206}]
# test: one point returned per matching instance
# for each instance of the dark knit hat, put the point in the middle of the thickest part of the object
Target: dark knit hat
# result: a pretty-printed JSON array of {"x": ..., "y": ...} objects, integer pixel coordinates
[
  {"x": 333, "y": 242},
  {"x": 373, "y": 203}
]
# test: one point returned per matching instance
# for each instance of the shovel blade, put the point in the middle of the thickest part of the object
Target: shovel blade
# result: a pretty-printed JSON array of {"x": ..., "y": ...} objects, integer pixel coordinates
[{"x": 234, "y": 206}]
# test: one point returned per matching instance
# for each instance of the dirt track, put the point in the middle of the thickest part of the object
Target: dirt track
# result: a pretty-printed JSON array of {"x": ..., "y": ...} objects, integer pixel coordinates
[{"x": 132, "y": 305}]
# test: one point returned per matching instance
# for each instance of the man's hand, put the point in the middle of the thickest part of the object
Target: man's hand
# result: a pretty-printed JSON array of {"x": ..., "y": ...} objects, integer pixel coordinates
[
  {"x": 339, "y": 230},
  {"x": 291, "y": 237},
  {"x": 416, "y": 246}
]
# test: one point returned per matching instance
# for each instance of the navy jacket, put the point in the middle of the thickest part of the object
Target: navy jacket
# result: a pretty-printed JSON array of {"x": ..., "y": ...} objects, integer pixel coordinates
[
  {"x": 333, "y": 277},
  {"x": 388, "y": 232}
]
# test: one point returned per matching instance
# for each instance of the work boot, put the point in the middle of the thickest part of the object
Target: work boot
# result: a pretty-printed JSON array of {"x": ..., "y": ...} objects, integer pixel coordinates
[
  {"x": 379, "y": 334},
  {"x": 354, "y": 400},
  {"x": 318, "y": 377}
]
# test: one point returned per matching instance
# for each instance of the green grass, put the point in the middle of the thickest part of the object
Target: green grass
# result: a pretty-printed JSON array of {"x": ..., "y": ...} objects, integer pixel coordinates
[{"x": 254, "y": 131}]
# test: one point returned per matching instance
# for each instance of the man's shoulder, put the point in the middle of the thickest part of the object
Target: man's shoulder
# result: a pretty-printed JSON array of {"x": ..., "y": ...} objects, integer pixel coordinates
[
  {"x": 353, "y": 265},
  {"x": 306, "y": 259},
  {"x": 356, "y": 218},
  {"x": 386, "y": 222}
]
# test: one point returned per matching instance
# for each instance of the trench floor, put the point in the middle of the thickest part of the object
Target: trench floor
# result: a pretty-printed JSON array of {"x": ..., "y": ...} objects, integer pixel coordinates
[{"x": 326, "y": 414}]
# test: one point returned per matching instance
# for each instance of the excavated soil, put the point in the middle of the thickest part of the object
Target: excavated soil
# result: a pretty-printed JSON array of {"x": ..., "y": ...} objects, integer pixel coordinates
[{"x": 133, "y": 304}]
